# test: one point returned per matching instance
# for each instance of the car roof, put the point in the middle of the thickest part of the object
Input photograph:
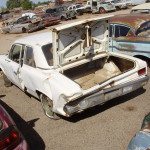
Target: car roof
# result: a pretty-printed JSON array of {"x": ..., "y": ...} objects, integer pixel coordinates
[
  {"x": 36, "y": 39},
  {"x": 142, "y": 6},
  {"x": 132, "y": 20}
]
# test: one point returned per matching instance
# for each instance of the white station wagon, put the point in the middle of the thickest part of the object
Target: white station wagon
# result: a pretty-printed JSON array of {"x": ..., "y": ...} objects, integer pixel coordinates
[{"x": 70, "y": 68}]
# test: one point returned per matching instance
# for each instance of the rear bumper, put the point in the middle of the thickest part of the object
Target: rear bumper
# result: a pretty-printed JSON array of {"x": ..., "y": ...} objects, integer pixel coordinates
[{"x": 103, "y": 95}]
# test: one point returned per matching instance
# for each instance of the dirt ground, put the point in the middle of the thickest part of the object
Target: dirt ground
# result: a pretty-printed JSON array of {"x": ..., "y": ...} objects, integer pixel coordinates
[{"x": 106, "y": 127}]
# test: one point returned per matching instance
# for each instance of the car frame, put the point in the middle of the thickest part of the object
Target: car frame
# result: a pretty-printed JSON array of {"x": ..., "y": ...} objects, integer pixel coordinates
[
  {"x": 62, "y": 12},
  {"x": 100, "y": 6},
  {"x": 78, "y": 8},
  {"x": 70, "y": 68},
  {"x": 46, "y": 19},
  {"x": 16, "y": 25}
]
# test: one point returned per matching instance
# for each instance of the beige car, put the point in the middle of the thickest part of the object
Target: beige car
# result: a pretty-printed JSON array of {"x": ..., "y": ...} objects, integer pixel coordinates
[{"x": 142, "y": 8}]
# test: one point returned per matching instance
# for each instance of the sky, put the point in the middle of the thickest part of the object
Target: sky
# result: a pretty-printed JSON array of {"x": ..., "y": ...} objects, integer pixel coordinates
[{"x": 3, "y": 2}]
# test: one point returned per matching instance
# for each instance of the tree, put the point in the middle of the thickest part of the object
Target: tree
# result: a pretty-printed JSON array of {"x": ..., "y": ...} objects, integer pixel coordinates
[
  {"x": 26, "y": 4},
  {"x": 3, "y": 9},
  {"x": 13, "y": 4}
]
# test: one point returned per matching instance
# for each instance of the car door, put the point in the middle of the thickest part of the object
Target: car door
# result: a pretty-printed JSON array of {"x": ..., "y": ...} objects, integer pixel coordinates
[
  {"x": 14, "y": 62},
  {"x": 118, "y": 42},
  {"x": 28, "y": 71}
]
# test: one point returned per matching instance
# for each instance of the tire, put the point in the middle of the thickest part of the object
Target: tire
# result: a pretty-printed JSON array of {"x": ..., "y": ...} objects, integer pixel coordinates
[
  {"x": 47, "y": 105},
  {"x": 7, "y": 82},
  {"x": 118, "y": 8},
  {"x": 74, "y": 17},
  {"x": 63, "y": 18},
  {"x": 102, "y": 10},
  {"x": 24, "y": 30}
]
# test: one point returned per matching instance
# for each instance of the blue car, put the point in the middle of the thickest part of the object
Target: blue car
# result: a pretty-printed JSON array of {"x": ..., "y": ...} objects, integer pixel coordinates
[
  {"x": 130, "y": 34},
  {"x": 141, "y": 141}
]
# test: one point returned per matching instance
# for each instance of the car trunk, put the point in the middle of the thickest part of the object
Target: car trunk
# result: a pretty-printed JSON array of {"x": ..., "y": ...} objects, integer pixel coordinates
[
  {"x": 81, "y": 51},
  {"x": 92, "y": 73}
]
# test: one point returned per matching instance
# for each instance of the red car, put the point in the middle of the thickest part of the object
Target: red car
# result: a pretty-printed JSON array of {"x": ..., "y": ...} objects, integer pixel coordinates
[
  {"x": 10, "y": 136},
  {"x": 47, "y": 19}
]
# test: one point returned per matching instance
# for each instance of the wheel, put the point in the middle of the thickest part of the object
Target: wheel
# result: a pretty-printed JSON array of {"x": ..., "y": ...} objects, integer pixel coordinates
[
  {"x": 24, "y": 30},
  {"x": 118, "y": 8},
  {"x": 47, "y": 105},
  {"x": 102, "y": 11},
  {"x": 74, "y": 17},
  {"x": 63, "y": 18},
  {"x": 7, "y": 82}
]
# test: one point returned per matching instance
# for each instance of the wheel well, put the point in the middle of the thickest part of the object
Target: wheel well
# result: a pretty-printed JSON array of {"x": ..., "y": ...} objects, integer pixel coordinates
[
  {"x": 142, "y": 57},
  {"x": 1, "y": 72},
  {"x": 38, "y": 93},
  {"x": 117, "y": 7},
  {"x": 23, "y": 29},
  {"x": 62, "y": 17}
]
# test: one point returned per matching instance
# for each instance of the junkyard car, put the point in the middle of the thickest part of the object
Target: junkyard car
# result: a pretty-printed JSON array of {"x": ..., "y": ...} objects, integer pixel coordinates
[
  {"x": 23, "y": 26},
  {"x": 70, "y": 69},
  {"x": 100, "y": 6},
  {"x": 78, "y": 8},
  {"x": 130, "y": 34},
  {"x": 141, "y": 140},
  {"x": 120, "y": 4},
  {"x": 16, "y": 25},
  {"x": 61, "y": 12},
  {"x": 10, "y": 136},
  {"x": 142, "y": 8},
  {"x": 46, "y": 19}
]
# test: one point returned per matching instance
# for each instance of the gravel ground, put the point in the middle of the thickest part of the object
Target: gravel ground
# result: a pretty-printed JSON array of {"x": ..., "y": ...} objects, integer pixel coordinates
[{"x": 106, "y": 127}]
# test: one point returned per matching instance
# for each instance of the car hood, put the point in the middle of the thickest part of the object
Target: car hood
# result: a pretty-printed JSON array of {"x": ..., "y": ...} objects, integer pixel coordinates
[{"x": 80, "y": 40}]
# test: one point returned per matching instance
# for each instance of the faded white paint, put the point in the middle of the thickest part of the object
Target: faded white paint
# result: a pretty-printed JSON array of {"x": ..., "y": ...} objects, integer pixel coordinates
[{"x": 73, "y": 45}]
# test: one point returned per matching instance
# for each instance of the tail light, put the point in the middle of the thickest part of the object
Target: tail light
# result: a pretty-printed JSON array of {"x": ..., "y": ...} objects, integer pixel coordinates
[
  {"x": 142, "y": 71},
  {"x": 9, "y": 138}
]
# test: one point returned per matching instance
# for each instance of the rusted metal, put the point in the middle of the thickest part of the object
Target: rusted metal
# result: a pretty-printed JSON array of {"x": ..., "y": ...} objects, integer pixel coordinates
[
  {"x": 133, "y": 20},
  {"x": 133, "y": 39}
]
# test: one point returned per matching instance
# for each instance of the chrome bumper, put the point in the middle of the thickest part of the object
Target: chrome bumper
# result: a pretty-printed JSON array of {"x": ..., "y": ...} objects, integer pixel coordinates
[{"x": 103, "y": 95}]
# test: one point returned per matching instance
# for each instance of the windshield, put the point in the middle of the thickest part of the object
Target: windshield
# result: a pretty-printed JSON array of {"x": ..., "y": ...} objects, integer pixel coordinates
[
  {"x": 144, "y": 29},
  {"x": 48, "y": 53},
  {"x": 78, "y": 6},
  {"x": 45, "y": 16}
]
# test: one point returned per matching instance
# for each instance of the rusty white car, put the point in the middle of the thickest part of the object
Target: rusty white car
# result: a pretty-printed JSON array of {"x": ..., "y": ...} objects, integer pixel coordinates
[
  {"x": 70, "y": 68},
  {"x": 16, "y": 25}
]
